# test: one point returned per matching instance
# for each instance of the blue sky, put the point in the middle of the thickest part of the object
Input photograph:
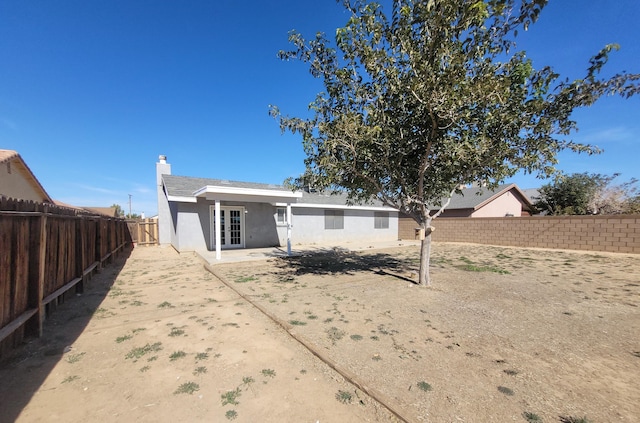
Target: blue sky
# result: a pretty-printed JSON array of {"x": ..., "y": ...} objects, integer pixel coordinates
[{"x": 91, "y": 92}]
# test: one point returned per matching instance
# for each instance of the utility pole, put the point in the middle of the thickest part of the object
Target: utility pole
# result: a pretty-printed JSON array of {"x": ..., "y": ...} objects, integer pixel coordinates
[{"x": 129, "y": 206}]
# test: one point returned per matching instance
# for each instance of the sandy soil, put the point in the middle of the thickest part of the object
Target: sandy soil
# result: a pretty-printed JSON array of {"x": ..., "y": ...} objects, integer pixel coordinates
[{"x": 504, "y": 334}]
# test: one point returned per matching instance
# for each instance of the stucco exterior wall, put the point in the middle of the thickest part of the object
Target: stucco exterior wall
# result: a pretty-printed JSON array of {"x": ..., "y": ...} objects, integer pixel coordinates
[
  {"x": 191, "y": 226},
  {"x": 506, "y": 204},
  {"x": 259, "y": 224},
  {"x": 308, "y": 227},
  {"x": 15, "y": 184}
]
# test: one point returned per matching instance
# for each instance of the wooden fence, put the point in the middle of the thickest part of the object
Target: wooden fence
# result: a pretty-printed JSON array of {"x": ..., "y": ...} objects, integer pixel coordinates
[
  {"x": 144, "y": 231},
  {"x": 44, "y": 252}
]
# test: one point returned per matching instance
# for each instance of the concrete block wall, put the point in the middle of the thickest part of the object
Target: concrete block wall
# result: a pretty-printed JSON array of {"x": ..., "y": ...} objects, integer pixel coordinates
[{"x": 615, "y": 233}]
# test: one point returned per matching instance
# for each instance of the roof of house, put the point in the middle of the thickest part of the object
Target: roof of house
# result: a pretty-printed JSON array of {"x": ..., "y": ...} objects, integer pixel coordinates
[
  {"x": 477, "y": 197},
  {"x": 188, "y": 187},
  {"x": 105, "y": 211},
  {"x": 13, "y": 156},
  {"x": 470, "y": 198}
]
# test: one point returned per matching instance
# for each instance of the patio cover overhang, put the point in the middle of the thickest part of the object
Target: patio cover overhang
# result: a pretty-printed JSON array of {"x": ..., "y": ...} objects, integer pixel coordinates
[
  {"x": 256, "y": 195},
  {"x": 218, "y": 193}
]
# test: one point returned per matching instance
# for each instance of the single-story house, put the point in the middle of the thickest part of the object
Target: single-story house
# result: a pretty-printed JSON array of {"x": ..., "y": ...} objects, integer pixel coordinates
[
  {"x": 503, "y": 201},
  {"x": 17, "y": 181},
  {"x": 216, "y": 214}
]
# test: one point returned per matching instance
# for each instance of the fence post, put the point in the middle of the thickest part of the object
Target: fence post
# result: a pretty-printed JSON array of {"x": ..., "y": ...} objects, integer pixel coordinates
[{"x": 36, "y": 281}]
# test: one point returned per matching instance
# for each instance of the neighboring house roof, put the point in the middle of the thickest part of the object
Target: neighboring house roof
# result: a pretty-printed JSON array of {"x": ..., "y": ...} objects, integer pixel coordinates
[
  {"x": 15, "y": 161},
  {"x": 105, "y": 211},
  {"x": 475, "y": 198},
  {"x": 533, "y": 194}
]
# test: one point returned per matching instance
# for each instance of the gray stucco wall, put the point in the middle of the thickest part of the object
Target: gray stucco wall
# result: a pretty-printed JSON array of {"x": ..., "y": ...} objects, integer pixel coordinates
[
  {"x": 260, "y": 226},
  {"x": 308, "y": 227},
  {"x": 192, "y": 223},
  {"x": 192, "y": 226}
]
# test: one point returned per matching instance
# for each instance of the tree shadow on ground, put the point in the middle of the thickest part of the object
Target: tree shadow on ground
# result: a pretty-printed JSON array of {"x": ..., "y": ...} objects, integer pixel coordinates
[
  {"x": 24, "y": 369},
  {"x": 343, "y": 261}
]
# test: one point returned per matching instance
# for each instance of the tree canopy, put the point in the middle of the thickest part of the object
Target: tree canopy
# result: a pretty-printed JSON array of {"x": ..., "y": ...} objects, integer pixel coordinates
[
  {"x": 588, "y": 193},
  {"x": 434, "y": 95}
]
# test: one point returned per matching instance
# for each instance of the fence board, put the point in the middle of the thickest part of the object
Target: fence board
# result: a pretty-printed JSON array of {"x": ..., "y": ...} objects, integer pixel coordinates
[
  {"x": 5, "y": 269},
  {"x": 44, "y": 252}
]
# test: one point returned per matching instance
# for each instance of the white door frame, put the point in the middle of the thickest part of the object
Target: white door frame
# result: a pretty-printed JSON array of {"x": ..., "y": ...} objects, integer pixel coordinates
[{"x": 227, "y": 227}]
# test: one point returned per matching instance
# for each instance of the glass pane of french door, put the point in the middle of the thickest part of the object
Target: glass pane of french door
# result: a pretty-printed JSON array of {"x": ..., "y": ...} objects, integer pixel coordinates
[
  {"x": 235, "y": 227},
  {"x": 223, "y": 231}
]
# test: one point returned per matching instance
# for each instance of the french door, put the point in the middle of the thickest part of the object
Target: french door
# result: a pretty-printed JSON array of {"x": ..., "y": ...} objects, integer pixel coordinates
[{"x": 231, "y": 227}]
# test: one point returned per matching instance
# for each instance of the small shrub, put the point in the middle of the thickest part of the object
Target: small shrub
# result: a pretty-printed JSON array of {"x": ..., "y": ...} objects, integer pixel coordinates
[
  {"x": 335, "y": 334},
  {"x": 176, "y": 355},
  {"x": 231, "y": 414},
  {"x": 245, "y": 279},
  {"x": 144, "y": 369},
  {"x": 268, "y": 372},
  {"x": 176, "y": 332},
  {"x": 138, "y": 352},
  {"x": 70, "y": 378},
  {"x": 231, "y": 397},
  {"x": 200, "y": 370},
  {"x": 571, "y": 419},
  {"x": 511, "y": 372},
  {"x": 531, "y": 417},
  {"x": 356, "y": 337},
  {"x": 344, "y": 397},
  {"x": 505, "y": 390},
  {"x": 74, "y": 358},
  {"x": 297, "y": 323},
  {"x": 187, "y": 388},
  {"x": 165, "y": 304},
  {"x": 202, "y": 356},
  {"x": 424, "y": 386}
]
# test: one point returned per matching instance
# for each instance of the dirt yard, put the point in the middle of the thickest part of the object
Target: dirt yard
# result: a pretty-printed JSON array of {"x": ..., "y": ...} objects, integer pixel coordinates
[{"x": 504, "y": 334}]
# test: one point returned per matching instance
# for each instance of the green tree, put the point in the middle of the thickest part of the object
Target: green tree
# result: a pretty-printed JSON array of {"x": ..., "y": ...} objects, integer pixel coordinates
[
  {"x": 432, "y": 96},
  {"x": 119, "y": 211},
  {"x": 588, "y": 193}
]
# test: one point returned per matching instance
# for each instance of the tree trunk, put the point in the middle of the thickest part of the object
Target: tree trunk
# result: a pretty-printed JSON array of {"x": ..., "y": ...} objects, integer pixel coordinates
[{"x": 425, "y": 254}]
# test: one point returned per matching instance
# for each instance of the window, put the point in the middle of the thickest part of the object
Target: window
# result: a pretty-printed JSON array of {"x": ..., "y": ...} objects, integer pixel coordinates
[
  {"x": 281, "y": 216},
  {"x": 381, "y": 220},
  {"x": 334, "y": 219}
]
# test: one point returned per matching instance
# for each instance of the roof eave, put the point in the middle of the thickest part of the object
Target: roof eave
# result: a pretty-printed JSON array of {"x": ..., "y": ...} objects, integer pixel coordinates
[{"x": 269, "y": 193}]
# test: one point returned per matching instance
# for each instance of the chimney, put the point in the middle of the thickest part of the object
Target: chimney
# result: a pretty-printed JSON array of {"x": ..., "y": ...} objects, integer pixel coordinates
[{"x": 164, "y": 214}]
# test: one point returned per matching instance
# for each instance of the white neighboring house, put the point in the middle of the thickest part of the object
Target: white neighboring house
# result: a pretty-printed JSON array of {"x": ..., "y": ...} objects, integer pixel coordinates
[{"x": 198, "y": 214}]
